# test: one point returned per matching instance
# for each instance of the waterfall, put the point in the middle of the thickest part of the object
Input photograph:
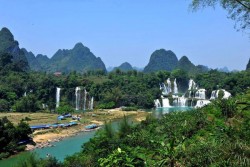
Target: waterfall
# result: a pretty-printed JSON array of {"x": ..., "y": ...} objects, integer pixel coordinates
[
  {"x": 165, "y": 102},
  {"x": 157, "y": 103},
  {"x": 85, "y": 99},
  {"x": 78, "y": 96},
  {"x": 165, "y": 90},
  {"x": 182, "y": 101},
  {"x": 189, "y": 94},
  {"x": 226, "y": 94},
  {"x": 169, "y": 85},
  {"x": 175, "y": 87},
  {"x": 200, "y": 94},
  {"x": 191, "y": 84},
  {"x": 57, "y": 96},
  {"x": 92, "y": 103},
  {"x": 215, "y": 94}
]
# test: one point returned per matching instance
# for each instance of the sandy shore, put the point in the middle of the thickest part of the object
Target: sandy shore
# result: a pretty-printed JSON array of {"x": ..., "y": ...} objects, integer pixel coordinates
[{"x": 44, "y": 138}]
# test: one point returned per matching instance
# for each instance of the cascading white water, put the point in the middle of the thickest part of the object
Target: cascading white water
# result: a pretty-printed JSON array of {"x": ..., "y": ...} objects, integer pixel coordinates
[
  {"x": 165, "y": 102},
  {"x": 189, "y": 94},
  {"x": 226, "y": 94},
  {"x": 25, "y": 94},
  {"x": 194, "y": 93},
  {"x": 175, "y": 87},
  {"x": 200, "y": 94},
  {"x": 182, "y": 101},
  {"x": 191, "y": 85},
  {"x": 169, "y": 85},
  {"x": 215, "y": 94},
  {"x": 85, "y": 99},
  {"x": 78, "y": 97},
  {"x": 165, "y": 90},
  {"x": 157, "y": 103},
  {"x": 57, "y": 96},
  {"x": 202, "y": 103},
  {"x": 92, "y": 103}
]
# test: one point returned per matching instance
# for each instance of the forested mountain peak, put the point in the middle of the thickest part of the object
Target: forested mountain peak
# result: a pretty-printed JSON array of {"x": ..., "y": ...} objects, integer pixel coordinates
[
  {"x": 161, "y": 60},
  {"x": 185, "y": 64},
  {"x": 6, "y": 35},
  {"x": 124, "y": 67},
  {"x": 9, "y": 45},
  {"x": 80, "y": 59}
]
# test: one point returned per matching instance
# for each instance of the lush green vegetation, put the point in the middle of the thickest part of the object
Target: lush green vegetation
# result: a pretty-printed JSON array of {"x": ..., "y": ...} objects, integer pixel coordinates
[
  {"x": 216, "y": 135},
  {"x": 115, "y": 89},
  {"x": 11, "y": 135}
]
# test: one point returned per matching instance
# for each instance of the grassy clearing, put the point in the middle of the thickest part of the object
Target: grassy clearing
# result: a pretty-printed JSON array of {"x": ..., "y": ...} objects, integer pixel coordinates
[{"x": 86, "y": 117}]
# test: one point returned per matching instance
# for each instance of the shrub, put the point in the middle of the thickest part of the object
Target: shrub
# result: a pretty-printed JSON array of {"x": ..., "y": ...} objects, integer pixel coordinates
[{"x": 4, "y": 155}]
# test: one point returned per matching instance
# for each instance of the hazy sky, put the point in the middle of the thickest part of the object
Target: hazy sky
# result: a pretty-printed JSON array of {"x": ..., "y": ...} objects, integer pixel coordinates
[{"x": 127, "y": 30}]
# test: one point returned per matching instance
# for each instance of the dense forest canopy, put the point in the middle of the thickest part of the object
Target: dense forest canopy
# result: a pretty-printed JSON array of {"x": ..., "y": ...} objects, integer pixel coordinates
[{"x": 114, "y": 89}]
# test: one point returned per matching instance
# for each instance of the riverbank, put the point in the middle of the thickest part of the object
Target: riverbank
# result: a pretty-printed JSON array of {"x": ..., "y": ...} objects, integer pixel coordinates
[{"x": 47, "y": 137}]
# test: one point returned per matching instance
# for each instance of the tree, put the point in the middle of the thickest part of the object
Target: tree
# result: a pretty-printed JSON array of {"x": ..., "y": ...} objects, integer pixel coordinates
[
  {"x": 238, "y": 10},
  {"x": 64, "y": 108}
]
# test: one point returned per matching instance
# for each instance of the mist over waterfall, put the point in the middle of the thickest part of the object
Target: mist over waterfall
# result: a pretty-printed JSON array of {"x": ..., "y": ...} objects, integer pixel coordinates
[{"x": 57, "y": 96}]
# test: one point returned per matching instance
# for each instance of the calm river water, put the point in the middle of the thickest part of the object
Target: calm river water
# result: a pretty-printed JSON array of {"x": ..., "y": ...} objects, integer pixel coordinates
[{"x": 71, "y": 145}]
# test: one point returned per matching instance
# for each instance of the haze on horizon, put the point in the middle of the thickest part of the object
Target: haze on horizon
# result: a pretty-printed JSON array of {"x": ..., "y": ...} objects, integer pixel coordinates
[{"x": 119, "y": 31}]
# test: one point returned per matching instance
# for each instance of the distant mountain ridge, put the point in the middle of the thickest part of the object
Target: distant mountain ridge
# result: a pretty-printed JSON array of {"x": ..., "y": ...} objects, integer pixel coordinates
[
  {"x": 167, "y": 60},
  {"x": 124, "y": 67},
  {"x": 79, "y": 59}
]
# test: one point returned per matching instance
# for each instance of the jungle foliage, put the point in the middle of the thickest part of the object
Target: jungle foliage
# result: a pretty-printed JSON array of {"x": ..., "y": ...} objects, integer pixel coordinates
[
  {"x": 24, "y": 91},
  {"x": 216, "y": 135},
  {"x": 11, "y": 136}
]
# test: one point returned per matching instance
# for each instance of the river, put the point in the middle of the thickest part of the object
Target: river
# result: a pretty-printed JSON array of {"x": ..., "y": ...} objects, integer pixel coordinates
[
  {"x": 71, "y": 145},
  {"x": 67, "y": 146}
]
